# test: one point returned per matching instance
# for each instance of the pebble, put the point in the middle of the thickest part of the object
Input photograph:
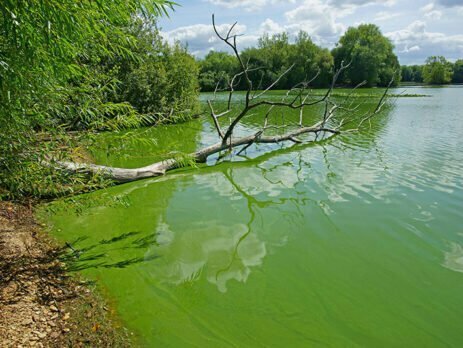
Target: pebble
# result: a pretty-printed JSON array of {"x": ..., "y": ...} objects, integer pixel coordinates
[{"x": 27, "y": 322}]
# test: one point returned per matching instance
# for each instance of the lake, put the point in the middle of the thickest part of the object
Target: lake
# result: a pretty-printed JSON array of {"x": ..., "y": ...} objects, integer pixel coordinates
[{"x": 354, "y": 242}]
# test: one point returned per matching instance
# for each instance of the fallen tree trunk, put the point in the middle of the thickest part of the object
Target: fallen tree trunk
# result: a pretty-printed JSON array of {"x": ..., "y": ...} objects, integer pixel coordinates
[
  {"x": 298, "y": 99},
  {"x": 160, "y": 168}
]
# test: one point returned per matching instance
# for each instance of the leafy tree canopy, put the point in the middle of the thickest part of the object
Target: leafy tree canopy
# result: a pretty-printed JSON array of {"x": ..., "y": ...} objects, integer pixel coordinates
[
  {"x": 74, "y": 65},
  {"x": 271, "y": 58},
  {"x": 437, "y": 71},
  {"x": 216, "y": 68},
  {"x": 458, "y": 71},
  {"x": 412, "y": 73},
  {"x": 370, "y": 54}
]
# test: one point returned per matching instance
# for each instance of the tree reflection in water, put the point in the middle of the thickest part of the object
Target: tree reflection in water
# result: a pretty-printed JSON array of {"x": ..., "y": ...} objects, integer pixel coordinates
[{"x": 222, "y": 252}]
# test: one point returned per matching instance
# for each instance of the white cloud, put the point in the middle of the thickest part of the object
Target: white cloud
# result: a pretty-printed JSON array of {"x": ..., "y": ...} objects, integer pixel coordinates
[
  {"x": 416, "y": 43},
  {"x": 385, "y": 15},
  {"x": 427, "y": 8},
  {"x": 430, "y": 11},
  {"x": 271, "y": 27},
  {"x": 313, "y": 16},
  {"x": 410, "y": 49},
  {"x": 201, "y": 38},
  {"x": 317, "y": 18},
  {"x": 434, "y": 14},
  {"x": 323, "y": 20},
  {"x": 326, "y": 20}
]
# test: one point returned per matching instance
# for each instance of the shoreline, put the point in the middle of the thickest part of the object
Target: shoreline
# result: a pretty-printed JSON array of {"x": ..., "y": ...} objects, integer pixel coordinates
[{"x": 41, "y": 305}]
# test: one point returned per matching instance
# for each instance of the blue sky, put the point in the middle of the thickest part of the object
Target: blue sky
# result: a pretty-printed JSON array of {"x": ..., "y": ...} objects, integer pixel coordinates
[{"x": 418, "y": 28}]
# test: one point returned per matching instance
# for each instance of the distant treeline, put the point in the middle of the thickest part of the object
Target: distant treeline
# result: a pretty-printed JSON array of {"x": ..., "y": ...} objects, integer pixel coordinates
[
  {"x": 370, "y": 53},
  {"x": 436, "y": 71}
]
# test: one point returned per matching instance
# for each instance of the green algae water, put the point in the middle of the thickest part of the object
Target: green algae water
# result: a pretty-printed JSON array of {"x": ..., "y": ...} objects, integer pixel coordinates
[{"x": 357, "y": 242}]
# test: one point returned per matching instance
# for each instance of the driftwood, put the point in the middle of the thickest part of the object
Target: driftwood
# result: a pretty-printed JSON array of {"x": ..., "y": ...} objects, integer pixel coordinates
[{"x": 296, "y": 99}]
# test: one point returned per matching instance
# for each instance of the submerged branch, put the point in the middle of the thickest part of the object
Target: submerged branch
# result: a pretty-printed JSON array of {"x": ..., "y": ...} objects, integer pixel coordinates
[{"x": 160, "y": 168}]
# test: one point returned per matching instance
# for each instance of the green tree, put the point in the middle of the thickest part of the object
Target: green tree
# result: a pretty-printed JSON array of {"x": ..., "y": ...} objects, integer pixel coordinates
[
  {"x": 412, "y": 73},
  {"x": 310, "y": 60},
  {"x": 260, "y": 74},
  {"x": 370, "y": 54},
  {"x": 216, "y": 68},
  {"x": 163, "y": 82},
  {"x": 276, "y": 54},
  {"x": 276, "y": 51},
  {"x": 47, "y": 75},
  {"x": 406, "y": 73},
  {"x": 437, "y": 71},
  {"x": 458, "y": 71},
  {"x": 268, "y": 61},
  {"x": 417, "y": 73}
]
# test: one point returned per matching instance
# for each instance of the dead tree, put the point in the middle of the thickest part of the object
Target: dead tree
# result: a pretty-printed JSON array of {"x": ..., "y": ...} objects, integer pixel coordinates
[{"x": 298, "y": 98}]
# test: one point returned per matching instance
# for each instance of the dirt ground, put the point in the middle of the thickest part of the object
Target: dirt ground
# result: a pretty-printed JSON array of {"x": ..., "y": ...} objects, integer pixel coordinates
[{"x": 40, "y": 304}]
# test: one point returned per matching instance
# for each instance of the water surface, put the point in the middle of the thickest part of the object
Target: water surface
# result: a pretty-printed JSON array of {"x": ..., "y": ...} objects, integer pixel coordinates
[{"x": 358, "y": 242}]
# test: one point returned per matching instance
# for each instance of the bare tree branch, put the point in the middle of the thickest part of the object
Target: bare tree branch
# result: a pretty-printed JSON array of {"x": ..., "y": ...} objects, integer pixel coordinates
[
  {"x": 216, "y": 121},
  {"x": 327, "y": 123},
  {"x": 274, "y": 83}
]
